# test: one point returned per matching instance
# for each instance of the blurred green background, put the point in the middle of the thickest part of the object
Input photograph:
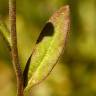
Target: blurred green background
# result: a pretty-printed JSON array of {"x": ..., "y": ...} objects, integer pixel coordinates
[{"x": 75, "y": 73}]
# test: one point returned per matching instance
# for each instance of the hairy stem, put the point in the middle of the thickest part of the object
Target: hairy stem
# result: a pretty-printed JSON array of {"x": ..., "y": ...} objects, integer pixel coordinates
[{"x": 15, "y": 59}]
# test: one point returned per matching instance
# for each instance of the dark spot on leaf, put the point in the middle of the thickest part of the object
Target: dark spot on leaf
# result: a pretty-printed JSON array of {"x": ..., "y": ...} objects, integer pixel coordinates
[
  {"x": 25, "y": 73},
  {"x": 48, "y": 30}
]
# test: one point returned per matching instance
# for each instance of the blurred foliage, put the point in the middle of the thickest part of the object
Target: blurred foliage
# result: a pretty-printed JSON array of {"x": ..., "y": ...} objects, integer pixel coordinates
[{"x": 75, "y": 73}]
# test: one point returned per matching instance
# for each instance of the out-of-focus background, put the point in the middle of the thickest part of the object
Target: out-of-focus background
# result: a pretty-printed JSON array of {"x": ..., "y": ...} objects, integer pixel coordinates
[{"x": 75, "y": 73}]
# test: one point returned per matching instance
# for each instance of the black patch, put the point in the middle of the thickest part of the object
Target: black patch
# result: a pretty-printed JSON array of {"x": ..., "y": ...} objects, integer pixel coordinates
[
  {"x": 48, "y": 30},
  {"x": 25, "y": 73}
]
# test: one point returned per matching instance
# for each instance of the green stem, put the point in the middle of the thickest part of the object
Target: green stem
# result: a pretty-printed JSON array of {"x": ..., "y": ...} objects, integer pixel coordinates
[{"x": 15, "y": 59}]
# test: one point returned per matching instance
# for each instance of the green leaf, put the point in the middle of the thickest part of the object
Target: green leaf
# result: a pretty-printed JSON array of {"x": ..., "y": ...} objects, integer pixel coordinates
[
  {"x": 4, "y": 32},
  {"x": 49, "y": 47}
]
